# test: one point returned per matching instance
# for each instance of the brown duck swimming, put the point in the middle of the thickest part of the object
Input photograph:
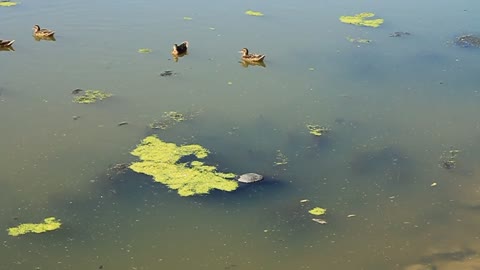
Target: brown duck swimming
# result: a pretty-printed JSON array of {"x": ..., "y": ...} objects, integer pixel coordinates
[
  {"x": 251, "y": 57},
  {"x": 39, "y": 32},
  {"x": 179, "y": 50},
  {"x": 6, "y": 43}
]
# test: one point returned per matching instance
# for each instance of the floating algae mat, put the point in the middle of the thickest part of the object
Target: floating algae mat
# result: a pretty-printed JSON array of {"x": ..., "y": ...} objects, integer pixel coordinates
[
  {"x": 144, "y": 50},
  {"x": 7, "y": 4},
  {"x": 161, "y": 160},
  {"x": 90, "y": 96},
  {"x": 317, "y": 211},
  {"x": 362, "y": 19},
  {"x": 317, "y": 130},
  {"x": 49, "y": 224},
  {"x": 254, "y": 13}
]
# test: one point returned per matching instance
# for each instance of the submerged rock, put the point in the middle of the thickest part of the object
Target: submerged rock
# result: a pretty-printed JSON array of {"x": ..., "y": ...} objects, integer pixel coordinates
[
  {"x": 250, "y": 178},
  {"x": 468, "y": 41},
  {"x": 399, "y": 34}
]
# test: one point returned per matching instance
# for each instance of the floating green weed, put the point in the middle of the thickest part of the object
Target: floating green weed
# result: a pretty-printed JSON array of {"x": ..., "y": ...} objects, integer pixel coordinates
[
  {"x": 359, "y": 40},
  {"x": 361, "y": 19},
  {"x": 161, "y": 160},
  {"x": 253, "y": 13},
  {"x": 317, "y": 130},
  {"x": 144, "y": 50},
  {"x": 7, "y": 4},
  {"x": 49, "y": 224},
  {"x": 317, "y": 211},
  {"x": 91, "y": 96}
]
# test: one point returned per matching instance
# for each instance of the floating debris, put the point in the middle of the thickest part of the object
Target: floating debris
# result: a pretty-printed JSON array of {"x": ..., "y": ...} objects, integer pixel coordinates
[
  {"x": 118, "y": 169},
  {"x": 319, "y": 221},
  {"x": 351, "y": 215},
  {"x": 161, "y": 160},
  {"x": 75, "y": 117},
  {"x": 359, "y": 40},
  {"x": 361, "y": 19},
  {"x": 254, "y": 13},
  {"x": 468, "y": 41},
  {"x": 250, "y": 178},
  {"x": 317, "y": 211},
  {"x": 144, "y": 50},
  {"x": 91, "y": 96},
  {"x": 280, "y": 159},
  {"x": 317, "y": 130},
  {"x": 167, "y": 73},
  {"x": 123, "y": 123},
  {"x": 399, "y": 34},
  {"x": 171, "y": 118},
  {"x": 49, "y": 224},
  {"x": 77, "y": 91},
  {"x": 448, "y": 160},
  {"x": 434, "y": 184},
  {"x": 304, "y": 200}
]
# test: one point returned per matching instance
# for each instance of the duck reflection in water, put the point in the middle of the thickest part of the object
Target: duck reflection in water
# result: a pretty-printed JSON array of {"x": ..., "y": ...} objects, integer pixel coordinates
[
  {"x": 246, "y": 64},
  {"x": 50, "y": 38}
]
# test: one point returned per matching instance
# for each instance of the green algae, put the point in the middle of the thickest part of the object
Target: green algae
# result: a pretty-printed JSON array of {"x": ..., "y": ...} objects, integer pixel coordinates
[
  {"x": 317, "y": 130},
  {"x": 254, "y": 13},
  {"x": 280, "y": 159},
  {"x": 187, "y": 18},
  {"x": 359, "y": 40},
  {"x": 7, "y": 4},
  {"x": 161, "y": 160},
  {"x": 362, "y": 20},
  {"x": 91, "y": 96},
  {"x": 49, "y": 224},
  {"x": 317, "y": 211},
  {"x": 144, "y": 50},
  {"x": 171, "y": 118}
]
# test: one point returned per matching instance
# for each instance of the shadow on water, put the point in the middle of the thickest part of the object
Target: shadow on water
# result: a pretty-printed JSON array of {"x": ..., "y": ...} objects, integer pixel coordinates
[{"x": 389, "y": 162}]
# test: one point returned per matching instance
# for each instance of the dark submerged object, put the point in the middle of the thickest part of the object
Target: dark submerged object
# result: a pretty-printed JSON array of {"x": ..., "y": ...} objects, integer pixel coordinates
[
  {"x": 399, "y": 34},
  {"x": 468, "y": 41},
  {"x": 250, "y": 178},
  {"x": 166, "y": 73},
  {"x": 77, "y": 91}
]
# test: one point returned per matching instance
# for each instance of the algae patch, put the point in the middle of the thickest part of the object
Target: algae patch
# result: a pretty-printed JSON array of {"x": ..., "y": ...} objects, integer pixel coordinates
[
  {"x": 317, "y": 211},
  {"x": 49, "y": 224},
  {"x": 91, "y": 96},
  {"x": 144, "y": 50},
  {"x": 359, "y": 40},
  {"x": 362, "y": 19},
  {"x": 171, "y": 118},
  {"x": 7, "y": 4},
  {"x": 254, "y": 13},
  {"x": 317, "y": 130},
  {"x": 280, "y": 159},
  {"x": 161, "y": 160}
]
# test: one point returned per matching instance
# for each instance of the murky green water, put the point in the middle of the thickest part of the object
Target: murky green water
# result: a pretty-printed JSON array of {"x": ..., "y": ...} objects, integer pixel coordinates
[{"x": 394, "y": 106}]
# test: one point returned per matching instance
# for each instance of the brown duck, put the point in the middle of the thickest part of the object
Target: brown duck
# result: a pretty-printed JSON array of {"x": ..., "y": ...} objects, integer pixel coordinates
[
  {"x": 251, "y": 57},
  {"x": 6, "y": 43},
  {"x": 42, "y": 32},
  {"x": 179, "y": 50}
]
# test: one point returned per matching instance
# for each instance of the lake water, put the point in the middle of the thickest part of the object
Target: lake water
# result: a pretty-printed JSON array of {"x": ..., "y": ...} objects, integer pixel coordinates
[{"x": 395, "y": 107}]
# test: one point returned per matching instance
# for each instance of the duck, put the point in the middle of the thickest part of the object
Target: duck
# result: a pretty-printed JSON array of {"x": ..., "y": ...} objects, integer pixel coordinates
[
  {"x": 39, "y": 32},
  {"x": 251, "y": 57},
  {"x": 6, "y": 43},
  {"x": 179, "y": 50}
]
